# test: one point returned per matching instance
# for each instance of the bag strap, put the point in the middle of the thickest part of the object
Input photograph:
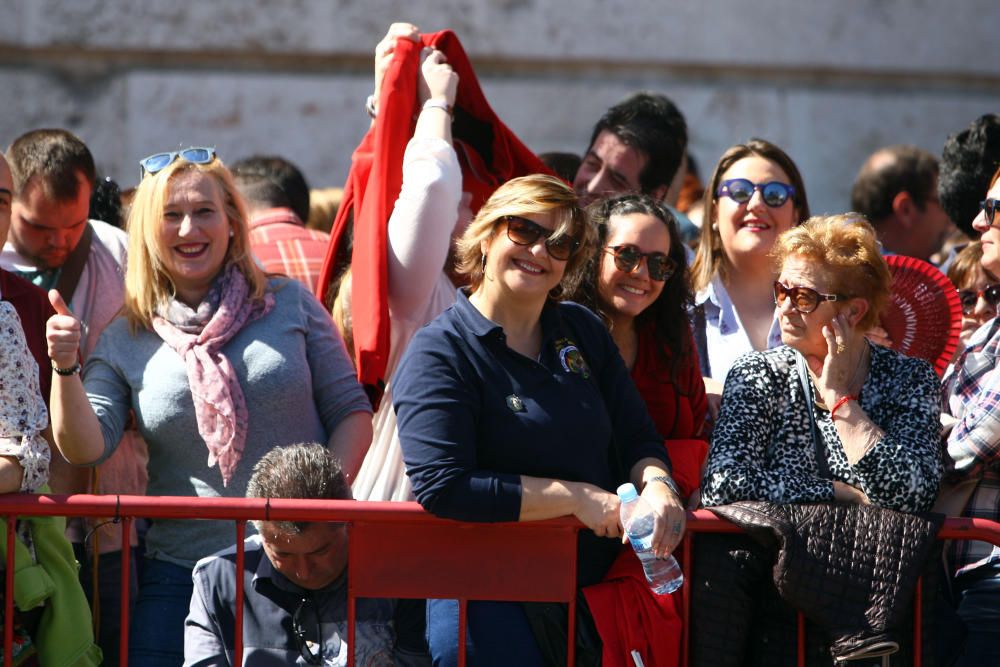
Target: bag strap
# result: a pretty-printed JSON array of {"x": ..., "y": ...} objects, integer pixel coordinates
[
  {"x": 701, "y": 340},
  {"x": 803, "y": 371},
  {"x": 72, "y": 269}
]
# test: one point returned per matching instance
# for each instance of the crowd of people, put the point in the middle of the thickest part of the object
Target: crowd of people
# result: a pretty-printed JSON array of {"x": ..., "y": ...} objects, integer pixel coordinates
[{"x": 553, "y": 328}]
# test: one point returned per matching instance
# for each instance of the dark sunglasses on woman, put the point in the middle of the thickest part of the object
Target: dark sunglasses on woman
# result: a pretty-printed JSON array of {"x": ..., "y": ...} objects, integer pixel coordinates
[
  {"x": 740, "y": 190},
  {"x": 160, "y": 161},
  {"x": 804, "y": 299},
  {"x": 990, "y": 206},
  {"x": 525, "y": 232},
  {"x": 628, "y": 257},
  {"x": 970, "y": 297}
]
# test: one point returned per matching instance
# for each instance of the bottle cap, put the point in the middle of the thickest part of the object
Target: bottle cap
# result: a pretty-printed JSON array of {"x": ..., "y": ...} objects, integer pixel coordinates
[{"x": 627, "y": 492}]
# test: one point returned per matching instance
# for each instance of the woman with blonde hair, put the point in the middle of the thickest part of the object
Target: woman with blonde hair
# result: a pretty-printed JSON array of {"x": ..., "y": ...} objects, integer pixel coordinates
[
  {"x": 242, "y": 363},
  {"x": 512, "y": 406}
]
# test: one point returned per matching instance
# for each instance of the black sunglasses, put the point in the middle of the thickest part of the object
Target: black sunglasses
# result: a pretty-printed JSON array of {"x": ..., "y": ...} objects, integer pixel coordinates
[
  {"x": 970, "y": 297},
  {"x": 741, "y": 190},
  {"x": 302, "y": 639},
  {"x": 990, "y": 206},
  {"x": 526, "y": 232},
  {"x": 160, "y": 161},
  {"x": 804, "y": 299},
  {"x": 628, "y": 257}
]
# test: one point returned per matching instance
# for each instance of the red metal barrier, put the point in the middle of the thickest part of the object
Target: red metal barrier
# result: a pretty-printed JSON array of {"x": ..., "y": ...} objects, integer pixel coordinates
[{"x": 532, "y": 561}]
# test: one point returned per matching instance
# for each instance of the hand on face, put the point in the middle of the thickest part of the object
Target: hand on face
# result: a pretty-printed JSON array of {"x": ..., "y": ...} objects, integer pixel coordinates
[{"x": 840, "y": 373}]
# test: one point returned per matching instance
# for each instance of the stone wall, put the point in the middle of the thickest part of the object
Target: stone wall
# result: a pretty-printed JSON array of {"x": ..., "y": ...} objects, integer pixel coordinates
[{"x": 828, "y": 82}]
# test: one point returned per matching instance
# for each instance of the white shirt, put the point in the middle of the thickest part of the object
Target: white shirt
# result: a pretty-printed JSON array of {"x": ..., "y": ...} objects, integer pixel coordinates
[{"x": 725, "y": 336}]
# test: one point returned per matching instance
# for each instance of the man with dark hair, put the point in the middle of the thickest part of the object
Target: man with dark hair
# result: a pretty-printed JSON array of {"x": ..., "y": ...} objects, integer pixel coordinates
[
  {"x": 278, "y": 198},
  {"x": 968, "y": 161},
  {"x": 897, "y": 190},
  {"x": 31, "y": 303},
  {"x": 638, "y": 145},
  {"x": 295, "y": 581},
  {"x": 55, "y": 245}
]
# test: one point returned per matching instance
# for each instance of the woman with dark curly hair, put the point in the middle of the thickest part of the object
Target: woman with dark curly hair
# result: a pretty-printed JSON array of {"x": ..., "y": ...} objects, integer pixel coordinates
[{"x": 637, "y": 283}]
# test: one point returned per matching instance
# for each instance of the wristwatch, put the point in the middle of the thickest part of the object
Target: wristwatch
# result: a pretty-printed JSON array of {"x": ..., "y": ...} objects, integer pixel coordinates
[{"x": 669, "y": 481}]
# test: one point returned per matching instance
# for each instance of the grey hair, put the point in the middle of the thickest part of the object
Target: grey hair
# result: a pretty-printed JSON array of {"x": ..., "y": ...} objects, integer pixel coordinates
[{"x": 305, "y": 470}]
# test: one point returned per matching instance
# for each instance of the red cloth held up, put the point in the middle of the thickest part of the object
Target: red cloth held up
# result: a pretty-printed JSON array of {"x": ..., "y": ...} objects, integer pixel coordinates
[{"x": 489, "y": 153}]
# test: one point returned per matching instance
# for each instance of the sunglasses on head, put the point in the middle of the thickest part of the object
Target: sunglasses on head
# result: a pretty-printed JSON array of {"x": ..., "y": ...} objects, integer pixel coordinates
[
  {"x": 525, "y": 232},
  {"x": 970, "y": 297},
  {"x": 990, "y": 206},
  {"x": 804, "y": 299},
  {"x": 741, "y": 190},
  {"x": 628, "y": 257},
  {"x": 160, "y": 161}
]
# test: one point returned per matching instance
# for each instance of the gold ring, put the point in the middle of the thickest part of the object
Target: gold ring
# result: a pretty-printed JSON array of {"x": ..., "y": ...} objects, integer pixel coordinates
[{"x": 841, "y": 348}]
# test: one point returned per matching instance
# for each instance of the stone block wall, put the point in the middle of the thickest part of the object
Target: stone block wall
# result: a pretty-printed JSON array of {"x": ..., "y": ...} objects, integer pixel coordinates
[{"x": 829, "y": 82}]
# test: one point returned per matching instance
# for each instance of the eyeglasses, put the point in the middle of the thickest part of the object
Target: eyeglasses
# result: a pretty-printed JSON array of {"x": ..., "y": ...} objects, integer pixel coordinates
[
  {"x": 526, "y": 232},
  {"x": 990, "y": 206},
  {"x": 311, "y": 656},
  {"x": 804, "y": 299},
  {"x": 628, "y": 258},
  {"x": 740, "y": 190},
  {"x": 970, "y": 297},
  {"x": 160, "y": 161}
]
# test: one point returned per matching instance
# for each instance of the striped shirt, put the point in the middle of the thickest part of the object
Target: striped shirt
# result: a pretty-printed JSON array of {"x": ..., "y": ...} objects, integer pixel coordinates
[{"x": 282, "y": 244}]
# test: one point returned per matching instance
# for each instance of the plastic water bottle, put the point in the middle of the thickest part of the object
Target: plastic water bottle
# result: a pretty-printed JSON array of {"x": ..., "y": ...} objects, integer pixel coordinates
[{"x": 664, "y": 575}]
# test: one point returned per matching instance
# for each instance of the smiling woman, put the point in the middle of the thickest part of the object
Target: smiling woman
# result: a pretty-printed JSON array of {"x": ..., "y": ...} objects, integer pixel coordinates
[
  {"x": 242, "y": 363},
  {"x": 512, "y": 407},
  {"x": 754, "y": 194}
]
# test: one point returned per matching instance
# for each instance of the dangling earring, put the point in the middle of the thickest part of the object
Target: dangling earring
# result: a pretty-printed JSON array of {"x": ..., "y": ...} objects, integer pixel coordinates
[{"x": 483, "y": 267}]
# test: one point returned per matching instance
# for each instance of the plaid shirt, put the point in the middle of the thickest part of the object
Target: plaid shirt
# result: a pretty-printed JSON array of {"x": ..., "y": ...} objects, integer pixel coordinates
[
  {"x": 972, "y": 395},
  {"x": 282, "y": 244}
]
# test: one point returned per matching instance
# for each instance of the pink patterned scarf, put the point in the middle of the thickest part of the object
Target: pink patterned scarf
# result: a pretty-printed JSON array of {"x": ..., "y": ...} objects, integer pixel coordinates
[{"x": 198, "y": 337}]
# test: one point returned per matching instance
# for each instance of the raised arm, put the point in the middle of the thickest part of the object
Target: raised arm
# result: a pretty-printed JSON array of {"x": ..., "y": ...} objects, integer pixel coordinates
[{"x": 427, "y": 210}]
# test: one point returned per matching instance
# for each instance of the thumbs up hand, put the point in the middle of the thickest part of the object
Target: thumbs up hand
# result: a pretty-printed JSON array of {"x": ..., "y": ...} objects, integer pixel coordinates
[{"x": 62, "y": 332}]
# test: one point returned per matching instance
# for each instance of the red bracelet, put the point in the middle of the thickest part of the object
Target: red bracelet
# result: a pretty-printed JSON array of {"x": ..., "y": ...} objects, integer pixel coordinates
[{"x": 839, "y": 403}]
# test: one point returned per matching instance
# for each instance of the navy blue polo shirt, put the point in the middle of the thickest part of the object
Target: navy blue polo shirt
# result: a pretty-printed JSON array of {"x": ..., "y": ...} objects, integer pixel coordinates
[{"x": 474, "y": 415}]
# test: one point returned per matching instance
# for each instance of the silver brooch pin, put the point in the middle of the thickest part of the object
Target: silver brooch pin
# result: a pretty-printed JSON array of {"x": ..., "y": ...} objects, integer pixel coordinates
[{"x": 515, "y": 403}]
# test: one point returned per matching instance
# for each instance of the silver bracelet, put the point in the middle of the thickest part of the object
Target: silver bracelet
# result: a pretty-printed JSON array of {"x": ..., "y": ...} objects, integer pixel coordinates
[
  {"x": 438, "y": 104},
  {"x": 669, "y": 481},
  {"x": 370, "y": 107}
]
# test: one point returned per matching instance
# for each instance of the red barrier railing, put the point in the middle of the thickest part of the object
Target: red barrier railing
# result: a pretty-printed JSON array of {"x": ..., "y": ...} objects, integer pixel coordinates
[{"x": 531, "y": 561}]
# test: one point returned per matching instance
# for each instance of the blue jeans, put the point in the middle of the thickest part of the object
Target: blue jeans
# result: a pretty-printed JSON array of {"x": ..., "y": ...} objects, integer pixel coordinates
[
  {"x": 497, "y": 633},
  {"x": 979, "y": 609},
  {"x": 109, "y": 576},
  {"x": 157, "y": 630}
]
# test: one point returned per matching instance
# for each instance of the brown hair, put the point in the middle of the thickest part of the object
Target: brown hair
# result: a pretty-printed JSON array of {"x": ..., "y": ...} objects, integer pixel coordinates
[
  {"x": 846, "y": 249},
  {"x": 709, "y": 259},
  {"x": 528, "y": 195}
]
